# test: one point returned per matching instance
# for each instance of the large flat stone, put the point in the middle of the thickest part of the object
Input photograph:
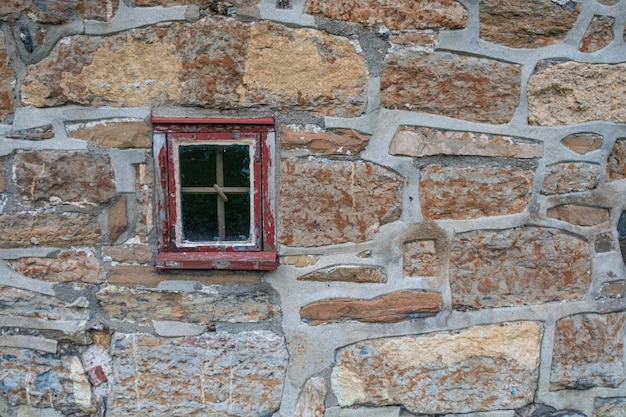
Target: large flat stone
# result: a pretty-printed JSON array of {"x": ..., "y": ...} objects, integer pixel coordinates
[
  {"x": 317, "y": 140},
  {"x": 481, "y": 368},
  {"x": 469, "y": 192},
  {"x": 433, "y": 83},
  {"x": 327, "y": 202},
  {"x": 588, "y": 352},
  {"x": 616, "y": 161},
  {"x": 114, "y": 133},
  {"x": 347, "y": 273},
  {"x": 575, "y": 92},
  {"x": 599, "y": 34},
  {"x": 7, "y": 78},
  {"x": 527, "y": 265},
  {"x": 567, "y": 177},
  {"x": 61, "y": 230},
  {"x": 214, "y": 374},
  {"x": 19, "y": 303},
  {"x": 67, "y": 266}
]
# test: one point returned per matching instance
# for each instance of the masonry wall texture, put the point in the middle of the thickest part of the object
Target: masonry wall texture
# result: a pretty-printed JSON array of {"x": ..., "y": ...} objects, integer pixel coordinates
[{"x": 449, "y": 178}]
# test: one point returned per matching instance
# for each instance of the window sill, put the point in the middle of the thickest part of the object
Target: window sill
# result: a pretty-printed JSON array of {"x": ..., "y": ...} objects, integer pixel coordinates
[{"x": 250, "y": 261}]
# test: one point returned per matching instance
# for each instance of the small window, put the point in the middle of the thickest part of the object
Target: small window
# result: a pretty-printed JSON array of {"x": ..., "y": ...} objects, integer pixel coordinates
[{"x": 215, "y": 199}]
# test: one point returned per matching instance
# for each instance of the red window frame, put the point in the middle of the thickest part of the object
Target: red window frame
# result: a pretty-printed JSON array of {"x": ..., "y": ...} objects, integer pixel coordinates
[{"x": 173, "y": 253}]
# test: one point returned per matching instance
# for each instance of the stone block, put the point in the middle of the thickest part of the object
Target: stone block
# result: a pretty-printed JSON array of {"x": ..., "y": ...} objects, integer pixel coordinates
[
  {"x": 220, "y": 373},
  {"x": 316, "y": 140},
  {"x": 311, "y": 401},
  {"x": 216, "y": 7},
  {"x": 482, "y": 368},
  {"x": 433, "y": 82},
  {"x": 388, "y": 308},
  {"x": 18, "y": 303},
  {"x": 66, "y": 266},
  {"x": 561, "y": 93},
  {"x": 60, "y": 230},
  {"x": 579, "y": 215},
  {"x": 45, "y": 380},
  {"x": 10, "y": 10},
  {"x": 118, "y": 218},
  {"x": 207, "y": 305},
  {"x": 299, "y": 261},
  {"x": 599, "y": 34},
  {"x": 588, "y": 352},
  {"x": 140, "y": 254},
  {"x": 7, "y": 79},
  {"x": 527, "y": 265},
  {"x": 614, "y": 289},
  {"x": 113, "y": 133},
  {"x": 569, "y": 177},
  {"x": 148, "y": 276},
  {"x": 616, "y": 161},
  {"x": 395, "y": 15},
  {"x": 583, "y": 143},
  {"x": 530, "y": 24},
  {"x": 347, "y": 273},
  {"x": 60, "y": 176},
  {"x": 470, "y": 192},
  {"x": 425, "y": 141},
  {"x": 420, "y": 258},
  {"x": 609, "y": 407},
  {"x": 338, "y": 202},
  {"x": 603, "y": 242}
]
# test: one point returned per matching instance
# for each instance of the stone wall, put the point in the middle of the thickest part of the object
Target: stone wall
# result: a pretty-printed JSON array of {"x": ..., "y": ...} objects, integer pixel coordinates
[{"x": 450, "y": 178}]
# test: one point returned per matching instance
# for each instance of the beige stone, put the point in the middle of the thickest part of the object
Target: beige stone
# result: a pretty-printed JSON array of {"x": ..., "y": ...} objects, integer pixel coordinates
[
  {"x": 568, "y": 177},
  {"x": 215, "y": 374},
  {"x": 528, "y": 24},
  {"x": 579, "y": 215},
  {"x": 67, "y": 266},
  {"x": 147, "y": 276},
  {"x": 416, "y": 39},
  {"x": 456, "y": 192},
  {"x": 588, "y": 352},
  {"x": 482, "y": 368},
  {"x": 527, "y": 265},
  {"x": 395, "y": 15},
  {"x": 425, "y": 141},
  {"x": 67, "y": 177},
  {"x": 113, "y": 133},
  {"x": 433, "y": 82},
  {"x": 289, "y": 68},
  {"x": 340, "y": 201},
  {"x": 60, "y": 230},
  {"x": 118, "y": 219},
  {"x": 317, "y": 140},
  {"x": 574, "y": 92},
  {"x": 583, "y": 143},
  {"x": 616, "y": 161},
  {"x": 311, "y": 401},
  {"x": 347, "y": 273},
  {"x": 388, "y": 308},
  {"x": 599, "y": 34},
  {"x": 7, "y": 78},
  {"x": 129, "y": 253},
  {"x": 420, "y": 258},
  {"x": 299, "y": 261}
]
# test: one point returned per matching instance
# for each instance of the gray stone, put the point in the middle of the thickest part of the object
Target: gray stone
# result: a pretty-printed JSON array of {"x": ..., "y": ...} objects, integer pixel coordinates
[
  {"x": 29, "y": 342},
  {"x": 166, "y": 328}
]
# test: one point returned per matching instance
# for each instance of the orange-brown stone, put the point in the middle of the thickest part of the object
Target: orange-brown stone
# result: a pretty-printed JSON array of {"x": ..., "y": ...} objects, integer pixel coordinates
[
  {"x": 317, "y": 140},
  {"x": 599, "y": 34},
  {"x": 579, "y": 215},
  {"x": 67, "y": 266},
  {"x": 583, "y": 143}
]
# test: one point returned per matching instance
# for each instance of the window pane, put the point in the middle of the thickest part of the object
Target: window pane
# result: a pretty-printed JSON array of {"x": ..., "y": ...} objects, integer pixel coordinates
[
  {"x": 197, "y": 165},
  {"x": 237, "y": 211},
  {"x": 199, "y": 212},
  {"x": 237, "y": 166}
]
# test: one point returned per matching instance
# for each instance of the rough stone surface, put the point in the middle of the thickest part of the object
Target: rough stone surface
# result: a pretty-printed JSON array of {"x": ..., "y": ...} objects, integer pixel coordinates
[
  {"x": 118, "y": 218},
  {"x": 481, "y": 368},
  {"x": 216, "y": 7},
  {"x": 317, "y": 140},
  {"x": 616, "y": 162},
  {"x": 340, "y": 202},
  {"x": 583, "y": 143},
  {"x": 469, "y": 192},
  {"x": 125, "y": 133},
  {"x": 599, "y": 34},
  {"x": 588, "y": 352},
  {"x": 425, "y": 141},
  {"x": 19, "y": 303},
  {"x": 205, "y": 306},
  {"x": 347, "y": 273},
  {"x": 609, "y": 407},
  {"x": 43, "y": 380},
  {"x": 62, "y": 230},
  {"x": 299, "y": 261},
  {"x": 569, "y": 177},
  {"x": 328, "y": 76},
  {"x": 574, "y": 92},
  {"x": 148, "y": 276},
  {"x": 614, "y": 289},
  {"x": 580, "y": 215},
  {"x": 129, "y": 253},
  {"x": 10, "y": 10},
  {"x": 311, "y": 401},
  {"x": 395, "y": 15},
  {"x": 531, "y": 24},
  {"x": 7, "y": 77},
  {"x": 603, "y": 242},
  {"x": 59, "y": 12},
  {"x": 66, "y": 177},
  {"x": 527, "y": 265},
  {"x": 212, "y": 63},
  {"x": 388, "y": 308},
  {"x": 432, "y": 82},
  {"x": 420, "y": 258},
  {"x": 67, "y": 266},
  {"x": 237, "y": 375},
  {"x": 425, "y": 40}
]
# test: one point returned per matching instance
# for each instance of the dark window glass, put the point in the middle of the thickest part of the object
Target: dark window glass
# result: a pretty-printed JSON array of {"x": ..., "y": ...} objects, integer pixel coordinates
[{"x": 197, "y": 165}]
